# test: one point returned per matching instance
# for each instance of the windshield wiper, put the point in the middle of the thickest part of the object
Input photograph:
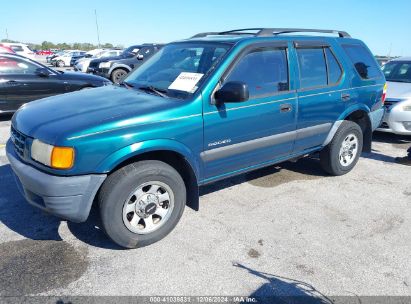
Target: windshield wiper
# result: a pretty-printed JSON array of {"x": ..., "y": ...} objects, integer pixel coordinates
[
  {"x": 151, "y": 89},
  {"x": 126, "y": 84}
]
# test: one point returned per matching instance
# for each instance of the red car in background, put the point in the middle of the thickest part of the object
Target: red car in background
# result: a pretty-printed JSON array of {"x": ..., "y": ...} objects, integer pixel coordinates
[
  {"x": 6, "y": 49},
  {"x": 45, "y": 52}
]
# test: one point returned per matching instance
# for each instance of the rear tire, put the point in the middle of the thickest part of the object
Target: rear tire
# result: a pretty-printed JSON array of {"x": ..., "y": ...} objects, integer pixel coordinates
[
  {"x": 341, "y": 155},
  {"x": 118, "y": 75},
  {"x": 127, "y": 200}
]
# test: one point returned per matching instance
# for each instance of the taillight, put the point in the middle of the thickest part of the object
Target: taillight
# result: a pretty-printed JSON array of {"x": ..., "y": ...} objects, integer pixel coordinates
[{"x": 384, "y": 94}]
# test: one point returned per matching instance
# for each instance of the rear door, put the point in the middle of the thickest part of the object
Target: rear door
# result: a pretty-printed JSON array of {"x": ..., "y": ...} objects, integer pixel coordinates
[
  {"x": 321, "y": 95},
  {"x": 241, "y": 135}
]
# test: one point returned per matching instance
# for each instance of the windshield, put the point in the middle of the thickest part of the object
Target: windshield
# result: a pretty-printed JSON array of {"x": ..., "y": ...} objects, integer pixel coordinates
[
  {"x": 178, "y": 69},
  {"x": 131, "y": 51},
  {"x": 398, "y": 71}
]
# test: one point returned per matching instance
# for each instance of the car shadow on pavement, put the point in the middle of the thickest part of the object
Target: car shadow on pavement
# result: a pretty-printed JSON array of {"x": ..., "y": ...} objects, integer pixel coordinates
[
  {"x": 284, "y": 290},
  {"x": 35, "y": 224},
  {"x": 304, "y": 169},
  {"x": 397, "y": 141}
]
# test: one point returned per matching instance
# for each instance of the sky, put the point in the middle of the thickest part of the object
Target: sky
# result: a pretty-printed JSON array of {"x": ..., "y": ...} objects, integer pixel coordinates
[{"x": 385, "y": 26}]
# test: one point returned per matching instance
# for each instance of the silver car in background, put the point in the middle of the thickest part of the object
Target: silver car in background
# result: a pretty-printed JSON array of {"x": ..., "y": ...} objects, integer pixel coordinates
[{"x": 397, "y": 118}]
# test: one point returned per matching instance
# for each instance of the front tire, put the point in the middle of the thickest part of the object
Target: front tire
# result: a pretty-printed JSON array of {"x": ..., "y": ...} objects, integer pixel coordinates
[
  {"x": 341, "y": 155},
  {"x": 118, "y": 75},
  {"x": 60, "y": 63},
  {"x": 141, "y": 203}
]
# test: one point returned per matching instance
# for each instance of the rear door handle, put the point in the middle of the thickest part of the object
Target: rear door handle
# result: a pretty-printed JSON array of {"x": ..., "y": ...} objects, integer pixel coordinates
[
  {"x": 345, "y": 97},
  {"x": 284, "y": 108}
]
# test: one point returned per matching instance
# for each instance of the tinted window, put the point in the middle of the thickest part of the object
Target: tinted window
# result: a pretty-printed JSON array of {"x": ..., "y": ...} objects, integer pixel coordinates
[
  {"x": 333, "y": 68},
  {"x": 398, "y": 71},
  {"x": 9, "y": 65},
  {"x": 16, "y": 48},
  {"x": 265, "y": 71},
  {"x": 313, "y": 71},
  {"x": 363, "y": 61}
]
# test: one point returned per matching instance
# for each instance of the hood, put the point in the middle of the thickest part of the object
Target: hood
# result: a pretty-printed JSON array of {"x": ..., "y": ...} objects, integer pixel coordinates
[
  {"x": 83, "y": 77},
  {"x": 55, "y": 119},
  {"x": 398, "y": 90}
]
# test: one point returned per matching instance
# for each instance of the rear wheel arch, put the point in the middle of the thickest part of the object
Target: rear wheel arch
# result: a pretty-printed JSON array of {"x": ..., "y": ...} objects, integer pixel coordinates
[{"x": 361, "y": 118}]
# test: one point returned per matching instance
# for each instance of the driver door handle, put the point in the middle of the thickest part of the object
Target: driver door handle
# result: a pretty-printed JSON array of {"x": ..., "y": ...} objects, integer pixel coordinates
[
  {"x": 345, "y": 97},
  {"x": 284, "y": 108}
]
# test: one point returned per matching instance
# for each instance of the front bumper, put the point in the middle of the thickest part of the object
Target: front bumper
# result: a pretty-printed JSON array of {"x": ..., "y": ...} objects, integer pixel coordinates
[
  {"x": 396, "y": 121},
  {"x": 69, "y": 197},
  {"x": 99, "y": 72}
]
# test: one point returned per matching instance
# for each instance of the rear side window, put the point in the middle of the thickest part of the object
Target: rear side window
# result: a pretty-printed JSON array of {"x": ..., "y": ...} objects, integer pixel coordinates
[
  {"x": 11, "y": 65},
  {"x": 264, "y": 70},
  {"x": 16, "y": 48},
  {"x": 333, "y": 68},
  {"x": 313, "y": 69},
  {"x": 318, "y": 67},
  {"x": 363, "y": 61}
]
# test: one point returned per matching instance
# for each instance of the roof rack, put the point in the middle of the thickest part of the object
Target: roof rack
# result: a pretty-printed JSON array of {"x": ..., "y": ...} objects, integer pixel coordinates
[{"x": 266, "y": 32}]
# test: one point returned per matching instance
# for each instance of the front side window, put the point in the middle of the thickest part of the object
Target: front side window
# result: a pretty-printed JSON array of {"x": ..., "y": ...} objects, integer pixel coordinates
[
  {"x": 363, "y": 61},
  {"x": 313, "y": 70},
  {"x": 264, "y": 70},
  {"x": 9, "y": 65},
  {"x": 398, "y": 71},
  {"x": 178, "y": 69}
]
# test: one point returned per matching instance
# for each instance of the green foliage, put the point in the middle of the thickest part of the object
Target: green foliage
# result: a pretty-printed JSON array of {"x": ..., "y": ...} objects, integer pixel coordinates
[{"x": 46, "y": 45}]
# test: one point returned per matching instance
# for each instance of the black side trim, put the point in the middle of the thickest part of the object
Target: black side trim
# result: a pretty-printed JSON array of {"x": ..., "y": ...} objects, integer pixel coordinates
[
  {"x": 243, "y": 147},
  {"x": 311, "y": 44}
]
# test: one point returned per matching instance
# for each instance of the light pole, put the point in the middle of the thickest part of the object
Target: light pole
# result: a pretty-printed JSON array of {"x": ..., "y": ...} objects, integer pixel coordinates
[{"x": 98, "y": 32}]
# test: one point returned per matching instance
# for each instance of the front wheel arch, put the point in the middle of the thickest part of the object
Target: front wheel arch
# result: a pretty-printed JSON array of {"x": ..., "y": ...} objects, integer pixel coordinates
[{"x": 178, "y": 161}]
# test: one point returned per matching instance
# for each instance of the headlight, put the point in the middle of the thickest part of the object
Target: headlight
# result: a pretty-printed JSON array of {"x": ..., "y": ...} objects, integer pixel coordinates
[
  {"x": 407, "y": 108},
  {"x": 104, "y": 65},
  {"x": 51, "y": 156}
]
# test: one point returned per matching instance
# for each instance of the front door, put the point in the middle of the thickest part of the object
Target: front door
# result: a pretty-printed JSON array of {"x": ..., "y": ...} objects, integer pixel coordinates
[{"x": 241, "y": 135}]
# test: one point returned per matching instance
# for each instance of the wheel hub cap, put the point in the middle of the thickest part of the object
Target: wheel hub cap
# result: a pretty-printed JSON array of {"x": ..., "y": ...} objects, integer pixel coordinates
[
  {"x": 148, "y": 207},
  {"x": 348, "y": 150}
]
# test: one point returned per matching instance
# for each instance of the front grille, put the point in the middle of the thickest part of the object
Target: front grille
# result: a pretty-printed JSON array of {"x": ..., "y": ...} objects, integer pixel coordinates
[{"x": 19, "y": 142}]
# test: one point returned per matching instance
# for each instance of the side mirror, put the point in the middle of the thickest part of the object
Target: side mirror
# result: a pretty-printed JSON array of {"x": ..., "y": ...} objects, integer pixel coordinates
[
  {"x": 41, "y": 72},
  {"x": 140, "y": 57},
  {"x": 234, "y": 91}
]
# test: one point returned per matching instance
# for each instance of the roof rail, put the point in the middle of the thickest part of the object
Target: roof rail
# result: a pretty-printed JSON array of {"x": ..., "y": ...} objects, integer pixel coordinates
[{"x": 266, "y": 32}]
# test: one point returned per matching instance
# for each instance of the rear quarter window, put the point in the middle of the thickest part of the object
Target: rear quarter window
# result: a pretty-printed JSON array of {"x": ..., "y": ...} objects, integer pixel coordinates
[{"x": 363, "y": 61}]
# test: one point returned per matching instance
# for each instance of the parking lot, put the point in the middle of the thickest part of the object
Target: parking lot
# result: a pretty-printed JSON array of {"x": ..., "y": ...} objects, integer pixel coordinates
[{"x": 287, "y": 229}]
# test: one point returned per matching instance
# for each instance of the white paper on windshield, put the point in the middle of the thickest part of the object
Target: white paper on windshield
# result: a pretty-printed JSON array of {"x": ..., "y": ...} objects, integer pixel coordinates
[{"x": 186, "y": 82}]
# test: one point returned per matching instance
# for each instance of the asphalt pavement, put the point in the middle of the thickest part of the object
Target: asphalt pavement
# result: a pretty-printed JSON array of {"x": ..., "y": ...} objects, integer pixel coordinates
[{"x": 285, "y": 230}]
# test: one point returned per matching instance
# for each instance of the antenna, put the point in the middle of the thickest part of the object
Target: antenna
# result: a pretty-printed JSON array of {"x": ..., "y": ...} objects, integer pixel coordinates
[{"x": 98, "y": 32}]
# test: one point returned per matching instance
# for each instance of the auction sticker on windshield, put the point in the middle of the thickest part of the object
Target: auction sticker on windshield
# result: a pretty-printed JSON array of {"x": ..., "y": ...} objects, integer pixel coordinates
[{"x": 186, "y": 82}]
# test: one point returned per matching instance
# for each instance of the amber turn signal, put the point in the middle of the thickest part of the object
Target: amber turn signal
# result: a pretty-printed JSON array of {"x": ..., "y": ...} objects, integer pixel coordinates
[{"x": 62, "y": 158}]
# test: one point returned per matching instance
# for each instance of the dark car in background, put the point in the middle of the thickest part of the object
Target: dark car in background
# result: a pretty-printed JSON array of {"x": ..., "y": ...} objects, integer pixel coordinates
[
  {"x": 127, "y": 53},
  {"x": 116, "y": 70},
  {"x": 24, "y": 80}
]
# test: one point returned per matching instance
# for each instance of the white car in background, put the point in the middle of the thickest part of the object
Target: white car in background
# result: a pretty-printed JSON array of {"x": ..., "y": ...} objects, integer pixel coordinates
[
  {"x": 20, "y": 49},
  {"x": 397, "y": 118},
  {"x": 65, "y": 59},
  {"x": 83, "y": 63}
]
